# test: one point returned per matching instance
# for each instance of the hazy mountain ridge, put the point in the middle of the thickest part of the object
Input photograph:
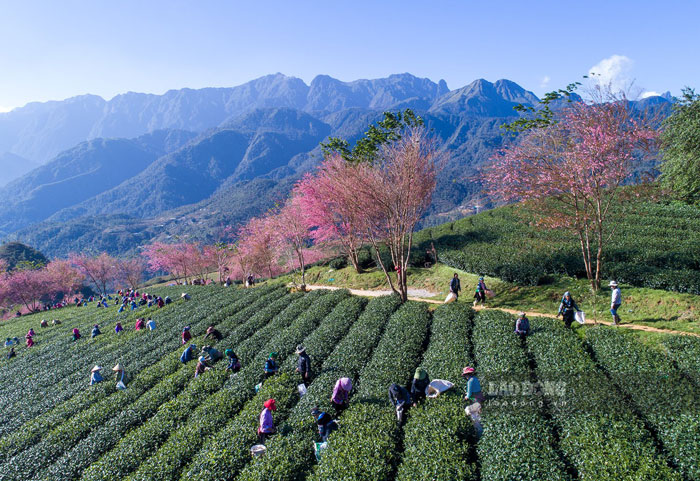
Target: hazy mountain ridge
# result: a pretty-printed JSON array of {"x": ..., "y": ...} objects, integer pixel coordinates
[{"x": 124, "y": 192}]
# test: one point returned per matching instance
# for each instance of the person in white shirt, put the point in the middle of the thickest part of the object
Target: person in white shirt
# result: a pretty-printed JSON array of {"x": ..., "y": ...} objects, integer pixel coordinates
[
  {"x": 151, "y": 324},
  {"x": 615, "y": 302}
]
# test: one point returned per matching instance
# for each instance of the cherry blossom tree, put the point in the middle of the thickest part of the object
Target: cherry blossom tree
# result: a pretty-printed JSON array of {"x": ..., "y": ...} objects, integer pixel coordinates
[
  {"x": 131, "y": 272},
  {"x": 571, "y": 170},
  {"x": 391, "y": 195},
  {"x": 64, "y": 277},
  {"x": 28, "y": 287},
  {"x": 101, "y": 270},
  {"x": 291, "y": 233},
  {"x": 333, "y": 220},
  {"x": 256, "y": 249}
]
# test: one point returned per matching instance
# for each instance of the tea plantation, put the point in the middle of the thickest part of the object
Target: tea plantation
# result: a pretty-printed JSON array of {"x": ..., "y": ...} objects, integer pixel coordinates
[
  {"x": 561, "y": 404},
  {"x": 653, "y": 245}
]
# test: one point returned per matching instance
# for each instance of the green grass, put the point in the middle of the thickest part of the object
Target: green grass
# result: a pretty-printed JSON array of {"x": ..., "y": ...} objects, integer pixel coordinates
[{"x": 650, "y": 307}]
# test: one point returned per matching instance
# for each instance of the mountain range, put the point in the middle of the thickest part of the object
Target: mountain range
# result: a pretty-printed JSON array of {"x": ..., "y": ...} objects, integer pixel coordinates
[{"x": 90, "y": 174}]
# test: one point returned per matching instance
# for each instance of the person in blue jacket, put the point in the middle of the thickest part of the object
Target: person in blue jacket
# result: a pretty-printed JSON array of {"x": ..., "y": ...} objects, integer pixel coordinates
[
  {"x": 326, "y": 423},
  {"x": 567, "y": 309},
  {"x": 188, "y": 354}
]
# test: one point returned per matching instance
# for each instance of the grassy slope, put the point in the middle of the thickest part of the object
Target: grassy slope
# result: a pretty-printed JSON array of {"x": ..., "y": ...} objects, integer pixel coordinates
[{"x": 652, "y": 307}]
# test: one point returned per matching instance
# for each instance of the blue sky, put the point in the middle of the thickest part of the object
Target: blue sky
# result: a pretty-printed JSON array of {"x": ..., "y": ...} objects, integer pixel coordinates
[{"x": 54, "y": 50}]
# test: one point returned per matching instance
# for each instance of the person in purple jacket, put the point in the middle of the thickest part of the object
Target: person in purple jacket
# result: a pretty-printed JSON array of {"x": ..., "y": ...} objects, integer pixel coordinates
[
  {"x": 267, "y": 425},
  {"x": 341, "y": 393}
]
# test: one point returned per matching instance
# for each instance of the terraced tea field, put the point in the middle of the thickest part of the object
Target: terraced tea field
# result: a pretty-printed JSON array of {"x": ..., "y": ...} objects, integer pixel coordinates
[{"x": 559, "y": 406}]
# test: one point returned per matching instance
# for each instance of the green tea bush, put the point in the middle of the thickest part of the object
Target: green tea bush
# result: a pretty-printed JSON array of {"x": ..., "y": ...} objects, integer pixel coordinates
[
  {"x": 665, "y": 398},
  {"x": 517, "y": 442},
  {"x": 438, "y": 435},
  {"x": 365, "y": 448},
  {"x": 228, "y": 451},
  {"x": 290, "y": 454},
  {"x": 602, "y": 437},
  {"x": 218, "y": 408},
  {"x": 655, "y": 246},
  {"x": 685, "y": 352},
  {"x": 141, "y": 442},
  {"x": 67, "y": 434}
]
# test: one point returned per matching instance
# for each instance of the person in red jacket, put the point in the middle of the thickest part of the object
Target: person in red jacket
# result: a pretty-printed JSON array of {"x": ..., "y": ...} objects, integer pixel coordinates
[
  {"x": 140, "y": 324},
  {"x": 186, "y": 334}
]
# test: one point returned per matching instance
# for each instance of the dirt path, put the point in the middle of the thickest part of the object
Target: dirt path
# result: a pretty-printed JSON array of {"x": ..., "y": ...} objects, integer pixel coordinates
[{"x": 420, "y": 294}]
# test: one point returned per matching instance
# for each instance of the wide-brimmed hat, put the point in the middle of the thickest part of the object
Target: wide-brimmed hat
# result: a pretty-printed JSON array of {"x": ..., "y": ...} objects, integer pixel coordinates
[
  {"x": 612, "y": 284},
  {"x": 118, "y": 367},
  {"x": 300, "y": 349},
  {"x": 273, "y": 354},
  {"x": 270, "y": 404},
  {"x": 420, "y": 374},
  {"x": 96, "y": 368},
  {"x": 468, "y": 370}
]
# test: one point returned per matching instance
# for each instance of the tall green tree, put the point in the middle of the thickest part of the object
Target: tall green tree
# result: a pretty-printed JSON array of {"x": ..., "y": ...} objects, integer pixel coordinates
[
  {"x": 387, "y": 130},
  {"x": 680, "y": 172}
]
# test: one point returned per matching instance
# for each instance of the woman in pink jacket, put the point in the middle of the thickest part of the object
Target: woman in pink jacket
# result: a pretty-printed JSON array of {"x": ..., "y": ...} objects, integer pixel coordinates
[
  {"x": 267, "y": 425},
  {"x": 341, "y": 393}
]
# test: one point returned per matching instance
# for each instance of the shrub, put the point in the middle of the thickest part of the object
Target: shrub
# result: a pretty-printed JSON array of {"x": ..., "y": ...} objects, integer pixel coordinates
[
  {"x": 517, "y": 442},
  {"x": 438, "y": 436},
  {"x": 600, "y": 435},
  {"x": 366, "y": 447},
  {"x": 290, "y": 455},
  {"x": 666, "y": 399}
]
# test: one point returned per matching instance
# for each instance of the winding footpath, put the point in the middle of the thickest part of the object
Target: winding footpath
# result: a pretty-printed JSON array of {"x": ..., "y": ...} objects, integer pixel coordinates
[{"x": 421, "y": 294}]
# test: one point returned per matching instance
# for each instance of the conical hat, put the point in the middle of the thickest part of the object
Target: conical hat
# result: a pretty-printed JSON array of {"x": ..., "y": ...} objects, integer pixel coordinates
[
  {"x": 96, "y": 368},
  {"x": 118, "y": 367}
]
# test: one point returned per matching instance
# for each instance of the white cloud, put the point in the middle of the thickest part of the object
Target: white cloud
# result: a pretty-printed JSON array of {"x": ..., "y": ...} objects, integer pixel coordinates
[
  {"x": 613, "y": 71},
  {"x": 650, "y": 93},
  {"x": 545, "y": 81},
  {"x": 4, "y": 109}
]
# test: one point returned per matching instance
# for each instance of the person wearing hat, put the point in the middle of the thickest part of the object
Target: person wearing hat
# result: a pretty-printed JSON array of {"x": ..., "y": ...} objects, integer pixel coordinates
[
  {"x": 186, "y": 335},
  {"x": 341, "y": 394},
  {"x": 118, "y": 328},
  {"x": 8, "y": 342},
  {"x": 151, "y": 324},
  {"x": 76, "y": 334},
  {"x": 615, "y": 302},
  {"x": 211, "y": 353},
  {"x": 400, "y": 399},
  {"x": 474, "y": 396},
  {"x": 233, "y": 363},
  {"x": 480, "y": 292},
  {"x": 267, "y": 425},
  {"x": 271, "y": 367},
  {"x": 567, "y": 309},
  {"x": 188, "y": 354},
  {"x": 326, "y": 423},
  {"x": 202, "y": 366},
  {"x": 419, "y": 385},
  {"x": 44, "y": 323},
  {"x": 304, "y": 365},
  {"x": 213, "y": 333},
  {"x": 119, "y": 373},
  {"x": 140, "y": 324},
  {"x": 30, "y": 333},
  {"x": 96, "y": 331},
  {"x": 522, "y": 325},
  {"x": 55, "y": 322},
  {"x": 95, "y": 375}
]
